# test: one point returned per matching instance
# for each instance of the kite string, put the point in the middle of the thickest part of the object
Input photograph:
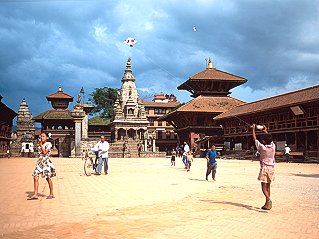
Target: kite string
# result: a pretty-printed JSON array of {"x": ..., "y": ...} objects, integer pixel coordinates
[
  {"x": 162, "y": 68},
  {"x": 241, "y": 120}
]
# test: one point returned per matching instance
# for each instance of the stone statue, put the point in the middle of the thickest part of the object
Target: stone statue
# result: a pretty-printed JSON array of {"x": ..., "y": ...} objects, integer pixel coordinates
[
  {"x": 140, "y": 146},
  {"x": 79, "y": 99},
  {"x": 146, "y": 135},
  {"x": 125, "y": 148}
]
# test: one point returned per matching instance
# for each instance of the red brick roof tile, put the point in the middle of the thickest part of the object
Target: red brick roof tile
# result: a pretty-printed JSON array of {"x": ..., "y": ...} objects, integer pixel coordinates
[
  {"x": 60, "y": 95},
  {"x": 214, "y": 74},
  {"x": 54, "y": 114},
  {"x": 209, "y": 104}
]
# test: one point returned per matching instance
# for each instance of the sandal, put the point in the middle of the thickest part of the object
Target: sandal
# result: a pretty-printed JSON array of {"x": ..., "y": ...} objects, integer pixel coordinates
[
  {"x": 50, "y": 197},
  {"x": 32, "y": 198}
]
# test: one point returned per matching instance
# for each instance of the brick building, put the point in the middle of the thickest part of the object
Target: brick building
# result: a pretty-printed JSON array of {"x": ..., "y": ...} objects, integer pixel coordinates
[
  {"x": 292, "y": 118},
  {"x": 6, "y": 117},
  {"x": 166, "y": 138}
]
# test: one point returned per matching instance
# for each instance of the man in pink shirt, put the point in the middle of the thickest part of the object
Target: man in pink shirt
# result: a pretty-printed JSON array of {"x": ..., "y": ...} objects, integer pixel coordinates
[{"x": 266, "y": 149}]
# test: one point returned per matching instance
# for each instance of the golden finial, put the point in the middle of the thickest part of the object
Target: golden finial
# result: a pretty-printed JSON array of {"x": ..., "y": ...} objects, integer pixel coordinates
[{"x": 210, "y": 64}]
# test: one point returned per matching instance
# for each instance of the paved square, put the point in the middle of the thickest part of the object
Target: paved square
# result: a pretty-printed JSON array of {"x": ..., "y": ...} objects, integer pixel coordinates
[{"x": 147, "y": 198}]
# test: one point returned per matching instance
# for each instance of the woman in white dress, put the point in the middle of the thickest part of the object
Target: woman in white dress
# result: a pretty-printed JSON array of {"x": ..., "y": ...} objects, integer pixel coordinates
[{"x": 44, "y": 167}]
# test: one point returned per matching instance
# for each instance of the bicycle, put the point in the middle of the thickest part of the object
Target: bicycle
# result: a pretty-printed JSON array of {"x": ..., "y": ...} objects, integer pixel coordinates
[{"x": 89, "y": 163}]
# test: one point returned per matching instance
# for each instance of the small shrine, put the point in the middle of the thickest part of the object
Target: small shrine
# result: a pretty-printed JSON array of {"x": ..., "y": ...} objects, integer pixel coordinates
[{"x": 24, "y": 137}]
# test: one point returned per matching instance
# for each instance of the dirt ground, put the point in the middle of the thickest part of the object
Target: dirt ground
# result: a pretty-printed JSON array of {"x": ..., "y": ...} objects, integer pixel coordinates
[{"x": 148, "y": 198}]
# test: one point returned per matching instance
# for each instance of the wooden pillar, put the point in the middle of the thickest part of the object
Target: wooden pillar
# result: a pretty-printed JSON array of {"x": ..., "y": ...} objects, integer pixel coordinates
[
  {"x": 296, "y": 140},
  {"x": 153, "y": 148},
  {"x": 306, "y": 143}
]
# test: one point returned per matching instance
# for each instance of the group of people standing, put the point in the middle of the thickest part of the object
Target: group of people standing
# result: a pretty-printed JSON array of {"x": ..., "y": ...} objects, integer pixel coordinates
[
  {"x": 187, "y": 158},
  {"x": 265, "y": 147}
]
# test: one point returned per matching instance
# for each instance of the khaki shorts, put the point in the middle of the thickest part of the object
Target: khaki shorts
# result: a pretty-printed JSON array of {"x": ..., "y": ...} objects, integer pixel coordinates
[{"x": 267, "y": 174}]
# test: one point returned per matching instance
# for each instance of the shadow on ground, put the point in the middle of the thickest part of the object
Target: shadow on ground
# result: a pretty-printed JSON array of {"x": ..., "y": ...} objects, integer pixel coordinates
[
  {"x": 196, "y": 179},
  {"x": 236, "y": 204},
  {"x": 307, "y": 175},
  {"x": 30, "y": 194}
]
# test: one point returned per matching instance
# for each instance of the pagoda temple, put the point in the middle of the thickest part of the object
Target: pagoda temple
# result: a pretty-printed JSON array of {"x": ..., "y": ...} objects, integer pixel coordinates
[
  {"x": 210, "y": 89},
  {"x": 59, "y": 122}
]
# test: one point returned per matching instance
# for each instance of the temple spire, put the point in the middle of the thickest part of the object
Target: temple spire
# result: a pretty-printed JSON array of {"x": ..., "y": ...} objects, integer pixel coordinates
[
  {"x": 128, "y": 64},
  {"x": 128, "y": 74}
]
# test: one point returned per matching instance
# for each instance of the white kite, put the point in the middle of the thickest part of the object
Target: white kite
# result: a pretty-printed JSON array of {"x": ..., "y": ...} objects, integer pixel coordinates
[
  {"x": 194, "y": 29},
  {"x": 130, "y": 41}
]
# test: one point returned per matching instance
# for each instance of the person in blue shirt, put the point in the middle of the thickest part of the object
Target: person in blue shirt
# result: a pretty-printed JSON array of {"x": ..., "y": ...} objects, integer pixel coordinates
[{"x": 211, "y": 162}]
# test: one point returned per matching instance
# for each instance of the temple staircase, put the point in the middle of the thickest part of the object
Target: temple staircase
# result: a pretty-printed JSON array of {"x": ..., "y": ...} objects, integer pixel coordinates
[{"x": 117, "y": 149}]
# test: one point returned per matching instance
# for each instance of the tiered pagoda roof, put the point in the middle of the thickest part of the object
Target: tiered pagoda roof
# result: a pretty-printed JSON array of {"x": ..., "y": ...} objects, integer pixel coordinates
[
  {"x": 211, "y": 81},
  {"x": 207, "y": 104},
  {"x": 54, "y": 115},
  {"x": 60, "y": 101},
  {"x": 60, "y": 95}
]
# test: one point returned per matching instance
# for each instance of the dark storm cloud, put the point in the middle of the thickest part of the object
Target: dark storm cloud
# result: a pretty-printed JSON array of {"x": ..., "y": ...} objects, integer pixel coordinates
[
  {"x": 46, "y": 43},
  {"x": 264, "y": 41}
]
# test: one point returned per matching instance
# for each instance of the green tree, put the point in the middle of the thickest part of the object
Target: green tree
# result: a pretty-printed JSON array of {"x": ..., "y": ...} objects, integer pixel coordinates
[{"x": 103, "y": 100}]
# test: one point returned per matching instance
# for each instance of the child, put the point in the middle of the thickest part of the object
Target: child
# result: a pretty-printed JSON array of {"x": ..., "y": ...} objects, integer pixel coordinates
[
  {"x": 189, "y": 158},
  {"x": 44, "y": 167},
  {"x": 266, "y": 149},
  {"x": 287, "y": 152},
  {"x": 173, "y": 157},
  {"x": 211, "y": 162}
]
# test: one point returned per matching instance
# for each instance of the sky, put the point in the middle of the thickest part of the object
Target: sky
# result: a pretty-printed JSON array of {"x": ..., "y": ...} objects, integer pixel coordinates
[{"x": 272, "y": 43}]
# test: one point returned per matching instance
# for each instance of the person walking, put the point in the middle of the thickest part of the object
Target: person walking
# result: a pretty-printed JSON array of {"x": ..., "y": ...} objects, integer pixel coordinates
[
  {"x": 102, "y": 147},
  {"x": 266, "y": 149},
  {"x": 44, "y": 167},
  {"x": 173, "y": 157},
  {"x": 189, "y": 158},
  {"x": 185, "y": 149},
  {"x": 211, "y": 162},
  {"x": 287, "y": 152}
]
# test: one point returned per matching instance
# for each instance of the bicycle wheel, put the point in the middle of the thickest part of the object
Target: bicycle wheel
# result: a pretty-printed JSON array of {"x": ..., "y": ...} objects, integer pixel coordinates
[{"x": 88, "y": 167}]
